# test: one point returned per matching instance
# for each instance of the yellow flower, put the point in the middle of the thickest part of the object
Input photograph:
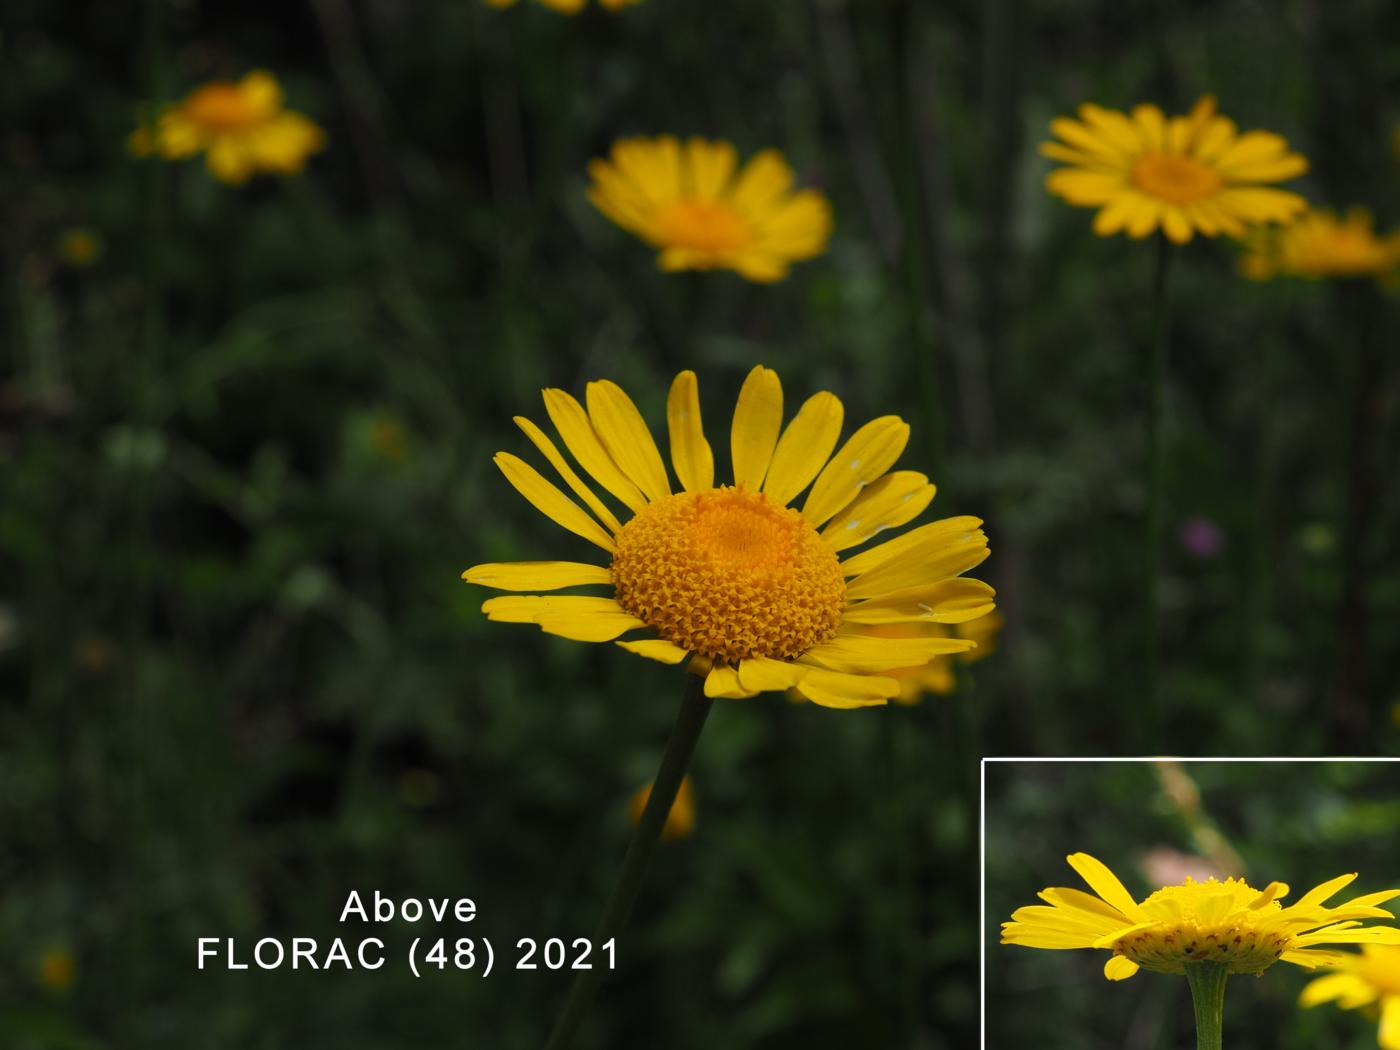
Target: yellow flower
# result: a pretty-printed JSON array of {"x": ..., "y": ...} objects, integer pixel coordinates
[
  {"x": 731, "y": 574},
  {"x": 680, "y": 822},
  {"x": 1226, "y": 922},
  {"x": 937, "y": 675},
  {"x": 80, "y": 246},
  {"x": 1185, "y": 175},
  {"x": 568, "y": 7},
  {"x": 241, "y": 128},
  {"x": 56, "y": 970},
  {"x": 1371, "y": 980},
  {"x": 693, "y": 202},
  {"x": 1321, "y": 245}
]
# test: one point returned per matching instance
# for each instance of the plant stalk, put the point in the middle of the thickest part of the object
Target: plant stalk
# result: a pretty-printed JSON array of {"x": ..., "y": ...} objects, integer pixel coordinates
[
  {"x": 1156, "y": 413},
  {"x": 690, "y": 720},
  {"x": 1207, "y": 981}
]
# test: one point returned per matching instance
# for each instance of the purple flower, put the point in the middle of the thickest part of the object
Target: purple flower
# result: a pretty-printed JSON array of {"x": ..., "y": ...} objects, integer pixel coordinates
[{"x": 1201, "y": 537}]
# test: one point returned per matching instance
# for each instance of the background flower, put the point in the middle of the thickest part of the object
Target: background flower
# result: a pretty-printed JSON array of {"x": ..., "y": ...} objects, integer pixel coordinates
[
  {"x": 704, "y": 212},
  {"x": 1184, "y": 175}
]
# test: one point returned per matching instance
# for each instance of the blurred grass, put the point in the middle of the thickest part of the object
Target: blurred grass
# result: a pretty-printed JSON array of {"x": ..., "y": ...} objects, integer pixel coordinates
[{"x": 256, "y": 539}]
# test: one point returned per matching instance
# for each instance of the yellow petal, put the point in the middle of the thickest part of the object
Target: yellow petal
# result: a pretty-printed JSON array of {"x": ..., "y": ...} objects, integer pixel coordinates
[
  {"x": 573, "y": 425},
  {"x": 625, "y": 435},
  {"x": 536, "y": 575},
  {"x": 558, "y": 462},
  {"x": 579, "y": 618},
  {"x": 710, "y": 167},
  {"x": 945, "y": 530},
  {"x": 1103, "y": 882},
  {"x": 690, "y": 452},
  {"x": 723, "y": 681},
  {"x": 764, "y": 675},
  {"x": 658, "y": 649},
  {"x": 757, "y": 419},
  {"x": 929, "y": 564},
  {"x": 1321, "y": 893},
  {"x": 868, "y": 654},
  {"x": 887, "y": 503},
  {"x": 1389, "y": 1036},
  {"x": 805, "y": 447},
  {"x": 955, "y": 600},
  {"x": 834, "y": 689},
  {"x": 549, "y": 501},
  {"x": 866, "y": 455},
  {"x": 1119, "y": 968}
]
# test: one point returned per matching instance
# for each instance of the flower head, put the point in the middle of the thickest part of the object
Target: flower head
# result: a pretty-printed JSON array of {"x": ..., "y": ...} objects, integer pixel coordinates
[
  {"x": 568, "y": 7},
  {"x": 680, "y": 822},
  {"x": 56, "y": 970},
  {"x": 1321, "y": 244},
  {"x": 1369, "y": 980},
  {"x": 692, "y": 201},
  {"x": 80, "y": 246},
  {"x": 754, "y": 589},
  {"x": 1184, "y": 175},
  {"x": 1228, "y": 922},
  {"x": 240, "y": 127},
  {"x": 937, "y": 676}
]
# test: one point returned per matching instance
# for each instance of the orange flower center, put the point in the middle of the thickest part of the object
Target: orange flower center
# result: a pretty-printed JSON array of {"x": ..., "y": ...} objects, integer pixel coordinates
[
  {"x": 1172, "y": 177},
  {"x": 222, "y": 105},
  {"x": 729, "y": 574},
  {"x": 702, "y": 225}
]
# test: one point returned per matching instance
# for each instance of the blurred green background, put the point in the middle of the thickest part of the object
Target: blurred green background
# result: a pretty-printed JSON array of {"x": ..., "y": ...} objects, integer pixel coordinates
[
  {"x": 245, "y": 454},
  {"x": 1294, "y": 822}
]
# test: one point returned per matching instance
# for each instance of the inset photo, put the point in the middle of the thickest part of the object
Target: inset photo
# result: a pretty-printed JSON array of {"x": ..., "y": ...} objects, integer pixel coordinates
[{"x": 1161, "y": 904}]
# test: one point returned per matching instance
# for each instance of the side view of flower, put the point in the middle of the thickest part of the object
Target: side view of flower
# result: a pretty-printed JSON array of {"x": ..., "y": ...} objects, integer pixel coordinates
[
  {"x": 755, "y": 590},
  {"x": 1367, "y": 981},
  {"x": 1322, "y": 244},
  {"x": 568, "y": 7},
  {"x": 1184, "y": 175},
  {"x": 1230, "y": 922},
  {"x": 240, "y": 126},
  {"x": 692, "y": 201}
]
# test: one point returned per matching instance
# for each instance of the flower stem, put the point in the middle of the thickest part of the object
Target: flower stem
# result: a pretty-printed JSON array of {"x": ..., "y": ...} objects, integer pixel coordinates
[
  {"x": 695, "y": 708},
  {"x": 1207, "y": 981},
  {"x": 1156, "y": 411}
]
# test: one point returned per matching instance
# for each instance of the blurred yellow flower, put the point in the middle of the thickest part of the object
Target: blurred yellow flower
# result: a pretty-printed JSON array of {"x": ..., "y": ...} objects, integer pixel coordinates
[
  {"x": 1371, "y": 981},
  {"x": 680, "y": 822},
  {"x": 1320, "y": 244},
  {"x": 937, "y": 675},
  {"x": 569, "y": 7},
  {"x": 731, "y": 574},
  {"x": 240, "y": 126},
  {"x": 693, "y": 202},
  {"x": 80, "y": 246},
  {"x": 1185, "y": 175},
  {"x": 1226, "y": 922},
  {"x": 56, "y": 970}
]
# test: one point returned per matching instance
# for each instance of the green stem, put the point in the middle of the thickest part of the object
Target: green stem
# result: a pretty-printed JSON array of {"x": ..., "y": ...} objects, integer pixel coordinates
[
  {"x": 695, "y": 708},
  {"x": 1207, "y": 981},
  {"x": 1156, "y": 412}
]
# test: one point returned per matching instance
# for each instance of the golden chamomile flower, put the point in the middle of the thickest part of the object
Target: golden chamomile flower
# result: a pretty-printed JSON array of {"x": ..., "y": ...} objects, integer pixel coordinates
[
  {"x": 937, "y": 675},
  {"x": 1227, "y": 922},
  {"x": 1321, "y": 244},
  {"x": 568, "y": 7},
  {"x": 753, "y": 590},
  {"x": 680, "y": 822},
  {"x": 240, "y": 127},
  {"x": 1369, "y": 981},
  {"x": 1184, "y": 175},
  {"x": 692, "y": 201}
]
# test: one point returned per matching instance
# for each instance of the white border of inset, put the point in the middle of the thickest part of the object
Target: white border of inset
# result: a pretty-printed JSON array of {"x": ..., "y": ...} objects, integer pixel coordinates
[{"x": 982, "y": 830}]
